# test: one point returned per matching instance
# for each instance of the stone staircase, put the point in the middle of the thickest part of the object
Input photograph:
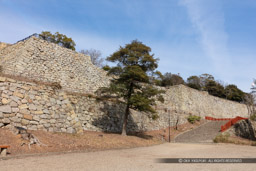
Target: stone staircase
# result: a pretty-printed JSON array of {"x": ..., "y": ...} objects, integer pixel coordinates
[{"x": 202, "y": 134}]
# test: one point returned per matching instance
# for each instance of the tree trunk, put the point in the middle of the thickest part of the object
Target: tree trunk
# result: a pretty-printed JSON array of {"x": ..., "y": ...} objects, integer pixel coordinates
[{"x": 127, "y": 111}]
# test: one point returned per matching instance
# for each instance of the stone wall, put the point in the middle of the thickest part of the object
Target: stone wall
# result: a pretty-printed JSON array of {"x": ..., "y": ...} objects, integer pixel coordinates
[
  {"x": 44, "y": 61},
  {"x": 3, "y": 45},
  {"x": 42, "y": 107},
  {"x": 183, "y": 98},
  {"x": 36, "y": 105}
]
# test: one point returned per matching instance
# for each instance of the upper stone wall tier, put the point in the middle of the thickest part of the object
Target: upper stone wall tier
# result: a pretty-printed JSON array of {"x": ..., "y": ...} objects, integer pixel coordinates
[
  {"x": 44, "y": 61},
  {"x": 200, "y": 103},
  {"x": 3, "y": 45}
]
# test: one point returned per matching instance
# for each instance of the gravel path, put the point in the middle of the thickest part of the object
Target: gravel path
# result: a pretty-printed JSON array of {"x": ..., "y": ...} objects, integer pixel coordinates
[
  {"x": 143, "y": 158},
  {"x": 203, "y": 134}
]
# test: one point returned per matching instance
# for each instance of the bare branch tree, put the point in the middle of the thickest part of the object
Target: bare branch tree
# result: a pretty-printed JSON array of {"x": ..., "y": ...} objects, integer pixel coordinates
[
  {"x": 177, "y": 122},
  {"x": 95, "y": 56}
]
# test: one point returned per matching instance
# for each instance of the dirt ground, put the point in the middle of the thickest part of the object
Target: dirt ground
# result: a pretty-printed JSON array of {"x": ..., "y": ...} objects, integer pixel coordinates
[
  {"x": 88, "y": 141},
  {"x": 142, "y": 158}
]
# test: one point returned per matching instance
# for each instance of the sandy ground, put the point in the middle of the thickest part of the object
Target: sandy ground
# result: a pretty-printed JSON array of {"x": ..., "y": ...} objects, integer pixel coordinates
[
  {"x": 142, "y": 158},
  {"x": 88, "y": 141}
]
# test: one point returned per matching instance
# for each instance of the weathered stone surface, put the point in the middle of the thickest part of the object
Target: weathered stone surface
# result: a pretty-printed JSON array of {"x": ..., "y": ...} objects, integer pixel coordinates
[
  {"x": 24, "y": 111},
  {"x": 46, "y": 111},
  {"x": 11, "y": 80},
  {"x": 36, "y": 118},
  {"x": 13, "y": 104},
  {"x": 15, "y": 109},
  {"x": 40, "y": 127},
  {"x": 28, "y": 117},
  {"x": 43, "y": 116},
  {"x": 5, "y": 109},
  {"x": 24, "y": 122},
  {"x": 2, "y": 79},
  {"x": 38, "y": 112},
  {"x": 74, "y": 71},
  {"x": 17, "y": 94},
  {"x": 33, "y": 122},
  {"x": 16, "y": 119},
  {"x": 32, "y": 127},
  {"x": 19, "y": 115},
  {"x": 25, "y": 88},
  {"x": 24, "y": 101},
  {"x": 14, "y": 98},
  {"x": 6, "y": 120},
  {"x": 5, "y": 101},
  {"x": 71, "y": 130},
  {"x": 32, "y": 107},
  {"x": 23, "y": 106}
]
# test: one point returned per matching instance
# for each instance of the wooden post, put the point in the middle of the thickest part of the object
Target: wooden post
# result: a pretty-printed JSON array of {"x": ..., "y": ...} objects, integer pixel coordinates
[{"x": 169, "y": 125}]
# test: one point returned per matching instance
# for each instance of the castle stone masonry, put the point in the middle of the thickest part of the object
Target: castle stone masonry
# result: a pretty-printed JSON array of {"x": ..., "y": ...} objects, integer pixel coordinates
[
  {"x": 44, "y": 61},
  {"x": 39, "y": 106}
]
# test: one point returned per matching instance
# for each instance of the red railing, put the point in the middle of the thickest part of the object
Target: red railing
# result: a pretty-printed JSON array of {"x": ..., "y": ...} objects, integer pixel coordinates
[
  {"x": 231, "y": 121},
  {"x": 217, "y": 119}
]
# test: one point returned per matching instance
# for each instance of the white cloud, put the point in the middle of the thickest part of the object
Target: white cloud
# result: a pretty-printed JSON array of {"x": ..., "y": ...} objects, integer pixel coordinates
[{"x": 208, "y": 18}]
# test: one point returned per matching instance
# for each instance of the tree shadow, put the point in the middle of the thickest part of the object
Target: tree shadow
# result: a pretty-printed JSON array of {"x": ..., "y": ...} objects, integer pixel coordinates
[
  {"x": 245, "y": 130},
  {"x": 142, "y": 135},
  {"x": 111, "y": 120}
]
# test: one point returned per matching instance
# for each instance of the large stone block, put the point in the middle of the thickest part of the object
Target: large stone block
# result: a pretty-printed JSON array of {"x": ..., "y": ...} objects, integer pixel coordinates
[
  {"x": 5, "y": 101},
  {"x": 28, "y": 117},
  {"x": 6, "y": 109},
  {"x": 13, "y": 104},
  {"x": 17, "y": 94},
  {"x": 24, "y": 121},
  {"x": 23, "y": 106},
  {"x": 32, "y": 107},
  {"x": 6, "y": 120},
  {"x": 38, "y": 112},
  {"x": 2, "y": 79}
]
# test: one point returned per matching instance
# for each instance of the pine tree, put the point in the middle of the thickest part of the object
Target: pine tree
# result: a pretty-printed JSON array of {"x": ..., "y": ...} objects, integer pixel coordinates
[{"x": 131, "y": 80}]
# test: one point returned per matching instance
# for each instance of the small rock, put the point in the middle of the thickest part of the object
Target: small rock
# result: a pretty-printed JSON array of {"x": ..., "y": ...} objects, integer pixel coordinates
[{"x": 71, "y": 130}]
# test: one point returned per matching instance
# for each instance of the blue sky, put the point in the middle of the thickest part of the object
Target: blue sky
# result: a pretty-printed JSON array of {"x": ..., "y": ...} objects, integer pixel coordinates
[{"x": 191, "y": 37}]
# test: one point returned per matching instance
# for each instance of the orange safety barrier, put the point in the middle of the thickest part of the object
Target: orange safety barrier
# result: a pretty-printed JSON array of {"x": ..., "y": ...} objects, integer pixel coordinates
[
  {"x": 217, "y": 119},
  {"x": 231, "y": 121}
]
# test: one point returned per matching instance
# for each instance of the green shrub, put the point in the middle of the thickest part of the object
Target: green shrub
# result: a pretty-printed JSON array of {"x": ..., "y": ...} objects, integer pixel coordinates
[
  {"x": 253, "y": 117},
  {"x": 193, "y": 118},
  {"x": 222, "y": 138}
]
